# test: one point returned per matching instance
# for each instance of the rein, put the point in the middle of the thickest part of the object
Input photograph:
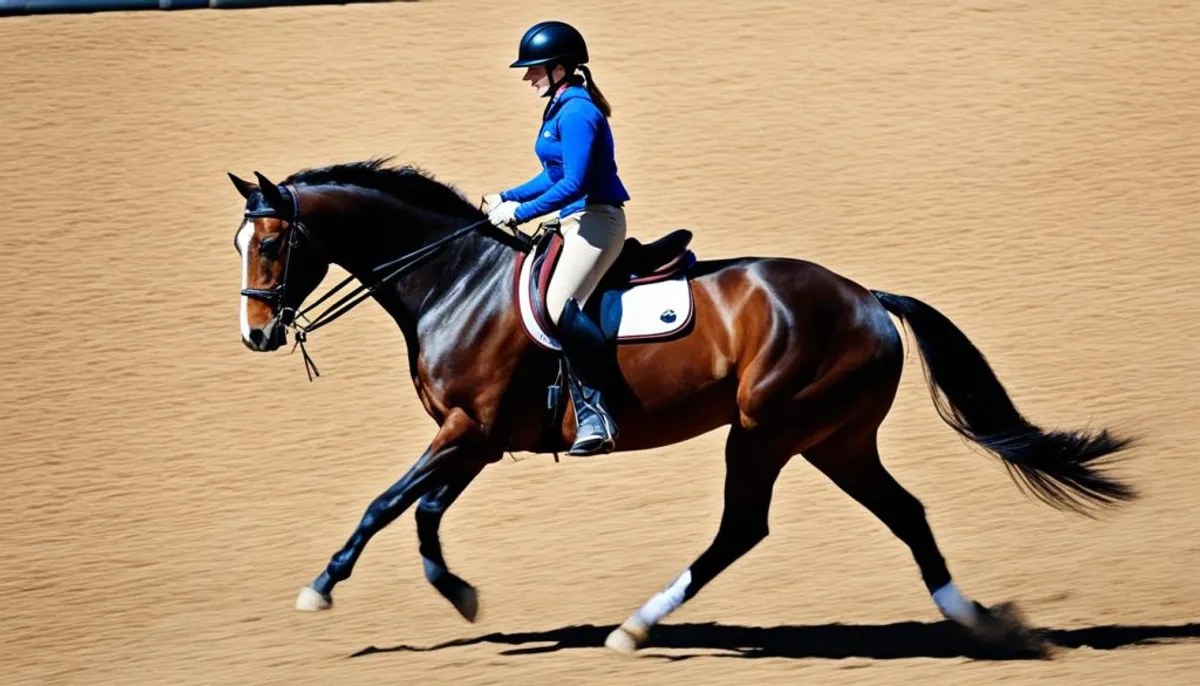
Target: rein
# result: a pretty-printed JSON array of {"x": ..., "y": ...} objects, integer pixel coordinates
[
  {"x": 288, "y": 315},
  {"x": 402, "y": 265}
]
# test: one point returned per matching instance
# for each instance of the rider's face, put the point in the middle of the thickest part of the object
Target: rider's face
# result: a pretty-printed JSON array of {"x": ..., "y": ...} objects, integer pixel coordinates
[{"x": 540, "y": 80}]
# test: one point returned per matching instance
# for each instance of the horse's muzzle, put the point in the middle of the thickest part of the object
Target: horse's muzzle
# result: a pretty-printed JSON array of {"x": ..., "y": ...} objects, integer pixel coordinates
[{"x": 267, "y": 339}]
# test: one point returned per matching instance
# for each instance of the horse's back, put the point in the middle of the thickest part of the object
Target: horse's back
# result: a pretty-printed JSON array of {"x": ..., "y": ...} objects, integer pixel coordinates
[{"x": 804, "y": 302}]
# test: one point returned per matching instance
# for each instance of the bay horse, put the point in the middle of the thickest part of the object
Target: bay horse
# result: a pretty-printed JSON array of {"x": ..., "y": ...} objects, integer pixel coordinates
[{"x": 794, "y": 358}]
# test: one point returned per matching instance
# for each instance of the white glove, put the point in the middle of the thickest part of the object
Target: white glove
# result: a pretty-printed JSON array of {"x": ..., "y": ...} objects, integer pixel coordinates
[
  {"x": 501, "y": 216},
  {"x": 492, "y": 200}
]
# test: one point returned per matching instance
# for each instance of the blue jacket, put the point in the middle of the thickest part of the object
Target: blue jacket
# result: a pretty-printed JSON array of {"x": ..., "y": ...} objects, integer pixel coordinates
[{"x": 575, "y": 146}]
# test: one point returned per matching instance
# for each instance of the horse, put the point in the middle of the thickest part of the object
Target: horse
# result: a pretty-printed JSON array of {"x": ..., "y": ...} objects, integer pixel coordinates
[{"x": 794, "y": 358}]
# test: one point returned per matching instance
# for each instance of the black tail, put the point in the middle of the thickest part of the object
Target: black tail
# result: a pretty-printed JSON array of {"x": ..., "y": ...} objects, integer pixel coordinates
[{"x": 1058, "y": 467}]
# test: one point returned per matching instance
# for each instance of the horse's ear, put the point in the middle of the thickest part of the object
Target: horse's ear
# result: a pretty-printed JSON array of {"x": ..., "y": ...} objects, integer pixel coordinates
[
  {"x": 244, "y": 187},
  {"x": 270, "y": 191}
]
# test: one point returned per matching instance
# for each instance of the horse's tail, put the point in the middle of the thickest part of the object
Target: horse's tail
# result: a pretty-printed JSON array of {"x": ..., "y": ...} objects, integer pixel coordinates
[{"x": 1056, "y": 467}]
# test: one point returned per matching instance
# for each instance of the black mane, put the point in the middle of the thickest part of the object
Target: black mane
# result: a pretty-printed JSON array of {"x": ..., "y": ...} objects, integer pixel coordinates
[{"x": 407, "y": 183}]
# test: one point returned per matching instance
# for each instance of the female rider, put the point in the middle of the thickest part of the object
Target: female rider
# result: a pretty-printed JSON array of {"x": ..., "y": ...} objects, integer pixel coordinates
[{"x": 578, "y": 180}]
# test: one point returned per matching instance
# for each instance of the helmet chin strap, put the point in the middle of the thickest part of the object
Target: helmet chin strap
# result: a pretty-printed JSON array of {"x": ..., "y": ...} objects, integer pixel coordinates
[{"x": 552, "y": 90}]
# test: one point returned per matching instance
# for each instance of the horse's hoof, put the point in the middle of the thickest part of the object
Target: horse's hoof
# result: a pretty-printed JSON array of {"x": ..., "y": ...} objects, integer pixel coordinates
[
  {"x": 1005, "y": 627},
  {"x": 627, "y": 638},
  {"x": 312, "y": 600},
  {"x": 466, "y": 601}
]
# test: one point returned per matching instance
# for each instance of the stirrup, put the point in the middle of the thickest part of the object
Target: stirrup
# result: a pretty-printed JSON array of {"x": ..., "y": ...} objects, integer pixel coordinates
[
  {"x": 592, "y": 446},
  {"x": 593, "y": 443},
  {"x": 585, "y": 446}
]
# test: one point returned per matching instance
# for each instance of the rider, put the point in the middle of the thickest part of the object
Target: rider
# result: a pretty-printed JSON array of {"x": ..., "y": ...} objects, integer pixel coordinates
[{"x": 579, "y": 180}]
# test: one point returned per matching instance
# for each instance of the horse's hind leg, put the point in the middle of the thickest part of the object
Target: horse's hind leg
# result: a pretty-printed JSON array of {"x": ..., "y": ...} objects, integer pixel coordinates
[
  {"x": 851, "y": 459},
  {"x": 750, "y": 474}
]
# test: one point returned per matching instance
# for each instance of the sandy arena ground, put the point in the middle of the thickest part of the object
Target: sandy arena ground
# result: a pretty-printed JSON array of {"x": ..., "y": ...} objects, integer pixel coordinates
[{"x": 1030, "y": 168}]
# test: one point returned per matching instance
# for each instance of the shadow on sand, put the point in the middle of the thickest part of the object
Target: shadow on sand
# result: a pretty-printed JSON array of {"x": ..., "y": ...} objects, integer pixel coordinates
[{"x": 832, "y": 641}]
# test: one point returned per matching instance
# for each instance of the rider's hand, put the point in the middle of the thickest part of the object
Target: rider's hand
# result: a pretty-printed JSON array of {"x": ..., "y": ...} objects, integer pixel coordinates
[
  {"x": 501, "y": 216},
  {"x": 492, "y": 200}
]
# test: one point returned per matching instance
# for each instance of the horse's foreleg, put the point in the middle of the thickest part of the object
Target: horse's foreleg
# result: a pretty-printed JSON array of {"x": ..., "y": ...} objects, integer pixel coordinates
[
  {"x": 448, "y": 455},
  {"x": 750, "y": 474},
  {"x": 429, "y": 519}
]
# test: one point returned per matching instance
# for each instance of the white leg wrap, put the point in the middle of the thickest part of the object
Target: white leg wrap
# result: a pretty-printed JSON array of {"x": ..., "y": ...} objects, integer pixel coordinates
[
  {"x": 955, "y": 606},
  {"x": 665, "y": 602}
]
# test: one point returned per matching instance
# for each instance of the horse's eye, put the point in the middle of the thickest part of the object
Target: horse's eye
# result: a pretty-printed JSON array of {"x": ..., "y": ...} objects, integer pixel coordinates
[{"x": 269, "y": 248}]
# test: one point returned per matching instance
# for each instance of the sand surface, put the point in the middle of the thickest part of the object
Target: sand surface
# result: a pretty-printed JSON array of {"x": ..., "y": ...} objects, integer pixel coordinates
[{"x": 1030, "y": 168}]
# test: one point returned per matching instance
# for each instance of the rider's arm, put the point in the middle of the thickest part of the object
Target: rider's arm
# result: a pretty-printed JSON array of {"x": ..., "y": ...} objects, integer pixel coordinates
[
  {"x": 578, "y": 131},
  {"x": 528, "y": 190}
]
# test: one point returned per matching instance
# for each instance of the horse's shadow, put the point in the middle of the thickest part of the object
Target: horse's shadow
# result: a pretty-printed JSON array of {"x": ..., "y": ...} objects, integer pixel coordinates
[{"x": 831, "y": 641}]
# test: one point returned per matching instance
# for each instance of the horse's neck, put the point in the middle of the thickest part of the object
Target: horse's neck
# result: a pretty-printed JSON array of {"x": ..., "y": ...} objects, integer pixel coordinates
[
  {"x": 473, "y": 287},
  {"x": 468, "y": 265},
  {"x": 458, "y": 278}
]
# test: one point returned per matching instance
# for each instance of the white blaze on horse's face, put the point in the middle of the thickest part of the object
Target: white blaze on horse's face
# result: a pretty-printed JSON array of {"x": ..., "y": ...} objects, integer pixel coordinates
[
  {"x": 258, "y": 318},
  {"x": 244, "y": 235}
]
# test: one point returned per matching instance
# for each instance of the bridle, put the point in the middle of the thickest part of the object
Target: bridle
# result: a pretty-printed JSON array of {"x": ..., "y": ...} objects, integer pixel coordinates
[{"x": 276, "y": 295}]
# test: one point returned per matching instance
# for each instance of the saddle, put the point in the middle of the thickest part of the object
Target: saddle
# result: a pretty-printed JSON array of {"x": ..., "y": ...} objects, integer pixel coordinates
[{"x": 644, "y": 296}]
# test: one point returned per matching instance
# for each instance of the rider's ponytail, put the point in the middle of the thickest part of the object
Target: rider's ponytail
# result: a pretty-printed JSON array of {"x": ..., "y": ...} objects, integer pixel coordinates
[{"x": 597, "y": 96}]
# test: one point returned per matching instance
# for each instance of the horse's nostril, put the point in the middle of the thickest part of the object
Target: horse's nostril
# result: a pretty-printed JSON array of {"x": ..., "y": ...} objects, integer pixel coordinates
[{"x": 256, "y": 336}]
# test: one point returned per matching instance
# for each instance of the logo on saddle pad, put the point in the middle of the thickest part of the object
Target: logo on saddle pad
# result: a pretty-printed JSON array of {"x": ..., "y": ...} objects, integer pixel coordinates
[{"x": 651, "y": 302}]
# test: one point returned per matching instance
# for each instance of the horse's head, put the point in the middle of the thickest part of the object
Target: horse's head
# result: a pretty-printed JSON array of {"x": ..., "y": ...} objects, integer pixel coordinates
[{"x": 280, "y": 266}]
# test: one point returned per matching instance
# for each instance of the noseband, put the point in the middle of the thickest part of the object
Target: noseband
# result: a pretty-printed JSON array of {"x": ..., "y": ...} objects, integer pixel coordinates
[{"x": 275, "y": 295}]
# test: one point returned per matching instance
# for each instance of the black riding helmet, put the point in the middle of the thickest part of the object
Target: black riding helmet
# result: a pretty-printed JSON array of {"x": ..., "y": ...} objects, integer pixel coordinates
[{"x": 551, "y": 43}]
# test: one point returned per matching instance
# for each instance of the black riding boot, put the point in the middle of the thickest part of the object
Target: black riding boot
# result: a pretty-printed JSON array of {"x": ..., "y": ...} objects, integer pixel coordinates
[{"x": 583, "y": 347}]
